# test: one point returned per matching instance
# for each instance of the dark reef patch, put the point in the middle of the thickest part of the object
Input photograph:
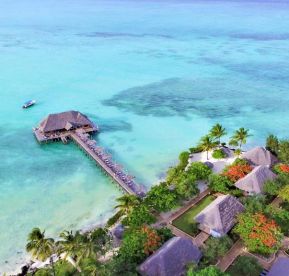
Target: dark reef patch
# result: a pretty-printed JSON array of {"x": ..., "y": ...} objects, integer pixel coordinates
[
  {"x": 110, "y": 125},
  {"x": 261, "y": 37},
  {"x": 210, "y": 98},
  {"x": 122, "y": 35}
]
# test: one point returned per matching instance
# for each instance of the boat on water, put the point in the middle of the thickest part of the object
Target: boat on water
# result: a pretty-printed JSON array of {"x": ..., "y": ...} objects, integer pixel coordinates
[{"x": 28, "y": 103}]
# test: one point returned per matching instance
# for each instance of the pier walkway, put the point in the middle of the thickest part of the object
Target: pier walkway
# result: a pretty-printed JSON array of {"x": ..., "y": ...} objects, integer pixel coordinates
[{"x": 104, "y": 160}]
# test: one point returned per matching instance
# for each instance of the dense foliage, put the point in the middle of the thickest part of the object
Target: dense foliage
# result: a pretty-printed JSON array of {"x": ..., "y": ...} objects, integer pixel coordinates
[
  {"x": 139, "y": 216},
  {"x": 200, "y": 170},
  {"x": 219, "y": 154},
  {"x": 260, "y": 234},
  {"x": 236, "y": 172},
  {"x": 284, "y": 193},
  {"x": 161, "y": 198},
  {"x": 216, "y": 248},
  {"x": 245, "y": 266},
  {"x": 278, "y": 147},
  {"x": 220, "y": 183},
  {"x": 207, "y": 271},
  {"x": 272, "y": 144}
]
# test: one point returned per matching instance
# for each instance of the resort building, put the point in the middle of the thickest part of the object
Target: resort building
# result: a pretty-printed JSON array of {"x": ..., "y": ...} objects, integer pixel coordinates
[
  {"x": 254, "y": 181},
  {"x": 260, "y": 156},
  {"x": 218, "y": 218},
  {"x": 58, "y": 126},
  {"x": 171, "y": 258},
  {"x": 280, "y": 267}
]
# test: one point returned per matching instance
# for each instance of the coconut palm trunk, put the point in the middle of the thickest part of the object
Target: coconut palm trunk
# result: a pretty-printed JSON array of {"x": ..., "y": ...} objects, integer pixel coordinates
[{"x": 52, "y": 265}]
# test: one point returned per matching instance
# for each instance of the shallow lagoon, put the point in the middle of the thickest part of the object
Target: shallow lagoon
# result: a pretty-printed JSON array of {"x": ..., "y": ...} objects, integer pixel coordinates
[{"x": 155, "y": 75}]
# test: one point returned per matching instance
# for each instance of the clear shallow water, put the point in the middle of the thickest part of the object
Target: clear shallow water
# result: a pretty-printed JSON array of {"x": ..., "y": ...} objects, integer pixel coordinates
[{"x": 155, "y": 75}]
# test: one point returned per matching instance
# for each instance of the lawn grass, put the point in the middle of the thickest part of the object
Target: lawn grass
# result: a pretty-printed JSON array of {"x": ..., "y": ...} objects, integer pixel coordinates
[{"x": 185, "y": 221}]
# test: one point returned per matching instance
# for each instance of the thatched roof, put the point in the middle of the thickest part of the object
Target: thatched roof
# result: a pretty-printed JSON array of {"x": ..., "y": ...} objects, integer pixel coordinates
[
  {"x": 220, "y": 215},
  {"x": 280, "y": 267},
  {"x": 260, "y": 156},
  {"x": 254, "y": 181},
  {"x": 65, "y": 120},
  {"x": 171, "y": 259}
]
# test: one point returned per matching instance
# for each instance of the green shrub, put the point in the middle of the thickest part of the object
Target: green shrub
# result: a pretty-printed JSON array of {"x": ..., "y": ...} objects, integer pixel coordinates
[
  {"x": 283, "y": 153},
  {"x": 245, "y": 266},
  {"x": 216, "y": 248},
  {"x": 219, "y": 154},
  {"x": 220, "y": 183},
  {"x": 161, "y": 198},
  {"x": 272, "y": 144},
  {"x": 183, "y": 160},
  {"x": 139, "y": 216},
  {"x": 240, "y": 161},
  {"x": 186, "y": 186},
  {"x": 199, "y": 170},
  {"x": 114, "y": 219},
  {"x": 195, "y": 150}
]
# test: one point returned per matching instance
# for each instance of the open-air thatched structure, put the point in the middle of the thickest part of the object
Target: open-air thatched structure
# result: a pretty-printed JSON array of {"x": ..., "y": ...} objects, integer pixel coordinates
[
  {"x": 58, "y": 126},
  {"x": 64, "y": 121},
  {"x": 260, "y": 156},
  {"x": 218, "y": 218},
  {"x": 254, "y": 181},
  {"x": 171, "y": 259}
]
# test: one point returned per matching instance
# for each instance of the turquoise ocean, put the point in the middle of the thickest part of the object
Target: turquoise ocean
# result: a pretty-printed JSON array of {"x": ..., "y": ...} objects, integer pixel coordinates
[{"x": 154, "y": 75}]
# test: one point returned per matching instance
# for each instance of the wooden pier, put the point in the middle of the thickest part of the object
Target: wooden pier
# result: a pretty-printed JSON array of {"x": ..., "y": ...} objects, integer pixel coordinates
[
  {"x": 104, "y": 161},
  {"x": 75, "y": 126}
]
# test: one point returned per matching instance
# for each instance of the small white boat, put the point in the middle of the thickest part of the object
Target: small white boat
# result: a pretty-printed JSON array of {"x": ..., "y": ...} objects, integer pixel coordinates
[{"x": 29, "y": 103}]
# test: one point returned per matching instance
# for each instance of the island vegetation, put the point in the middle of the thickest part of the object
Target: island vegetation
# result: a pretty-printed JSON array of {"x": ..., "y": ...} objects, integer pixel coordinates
[{"x": 261, "y": 226}]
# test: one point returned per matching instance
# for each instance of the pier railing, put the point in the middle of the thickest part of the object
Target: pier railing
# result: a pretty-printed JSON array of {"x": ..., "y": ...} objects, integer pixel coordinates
[{"x": 104, "y": 160}]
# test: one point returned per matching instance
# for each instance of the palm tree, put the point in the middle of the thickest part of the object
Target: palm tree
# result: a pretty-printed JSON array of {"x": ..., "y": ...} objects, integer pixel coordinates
[
  {"x": 72, "y": 246},
  {"x": 217, "y": 131},
  {"x": 240, "y": 137},
  {"x": 127, "y": 203},
  {"x": 40, "y": 247},
  {"x": 207, "y": 144}
]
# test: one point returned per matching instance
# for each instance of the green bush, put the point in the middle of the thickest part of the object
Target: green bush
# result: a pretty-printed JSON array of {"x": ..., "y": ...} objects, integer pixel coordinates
[
  {"x": 186, "y": 187},
  {"x": 219, "y": 154},
  {"x": 139, "y": 216},
  {"x": 114, "y": 219},
  {"x": 216, "y": 248},
  {"x": 183, "y": 160},
  {"x": 199, "y": 170},
  {"x": 195, "y": 150},
  {"x": 61, "y": 268},
  {"x": 272, "y": 144},
  {"x": 161, "y": 198},
  {"x": 245, "y": 266},
  {"x": 220, "y": 183},
  {"x": 240, "y": 161},
  {"x": 283, "y": 153}
]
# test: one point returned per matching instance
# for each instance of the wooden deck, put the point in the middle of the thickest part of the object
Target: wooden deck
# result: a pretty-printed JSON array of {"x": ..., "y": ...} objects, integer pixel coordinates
[{"x": 114, "y": 170}]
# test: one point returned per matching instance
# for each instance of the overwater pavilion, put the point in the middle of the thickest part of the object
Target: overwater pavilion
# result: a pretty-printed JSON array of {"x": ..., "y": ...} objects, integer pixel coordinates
[{"x": 60, "y": 125}]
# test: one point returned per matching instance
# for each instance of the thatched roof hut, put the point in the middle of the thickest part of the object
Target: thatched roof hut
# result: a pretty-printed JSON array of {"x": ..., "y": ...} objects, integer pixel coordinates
[
  {"x": 218, "y": 218},
  {"x": 254, "y": 181},
  {"x": 64, "y": 121},
  {"x": 260, "y": 156},
  {"x": 171, "y": 258},
  {"x": 280, "y": 267}
]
